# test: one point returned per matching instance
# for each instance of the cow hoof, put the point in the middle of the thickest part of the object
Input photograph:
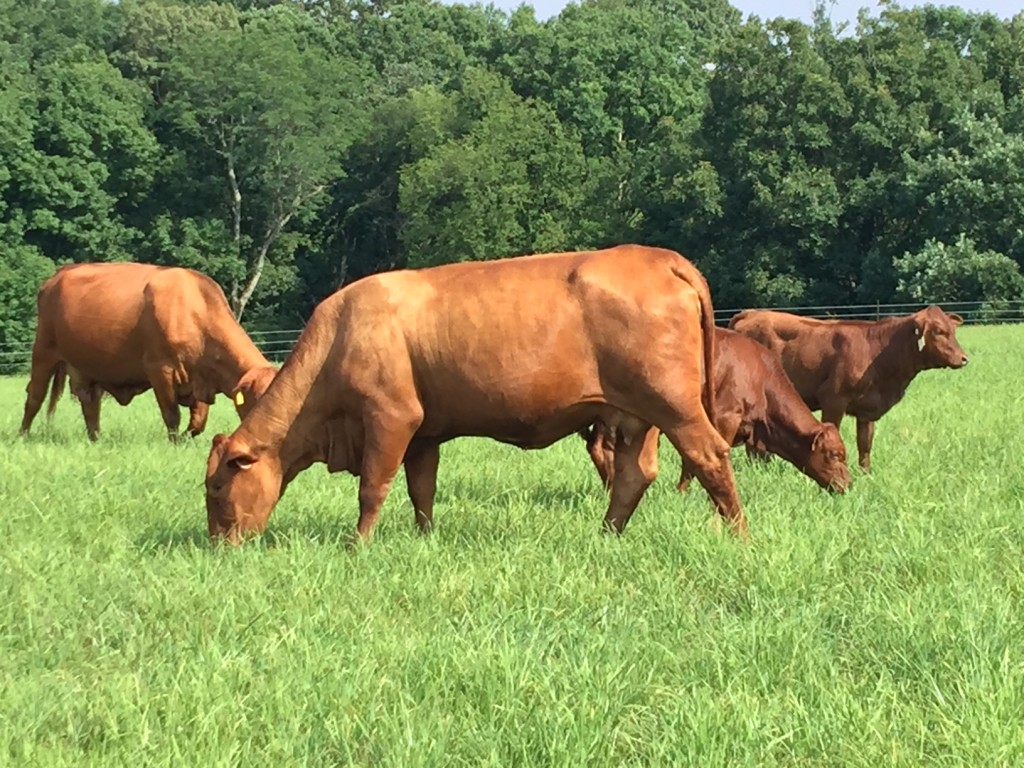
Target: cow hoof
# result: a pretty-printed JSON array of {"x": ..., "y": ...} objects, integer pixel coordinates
[{"x": 355, "y": 542}]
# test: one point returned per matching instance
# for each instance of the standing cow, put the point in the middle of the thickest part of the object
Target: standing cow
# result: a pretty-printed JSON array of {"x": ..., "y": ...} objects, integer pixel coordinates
[
  {"x": 125, "y": 328},
  {"x": 523, "y": 350},
  {"x": 858, "y": 367},
  {"x": 756, "y": 405}
]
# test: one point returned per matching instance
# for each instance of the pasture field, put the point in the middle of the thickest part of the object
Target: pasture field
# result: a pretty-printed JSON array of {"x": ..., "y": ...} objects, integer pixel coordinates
[{"x": 884, "y": 627}]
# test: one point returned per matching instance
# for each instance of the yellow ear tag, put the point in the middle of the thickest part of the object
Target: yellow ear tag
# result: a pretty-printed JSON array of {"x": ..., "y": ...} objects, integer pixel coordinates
[{"x": 239, "y": 398}]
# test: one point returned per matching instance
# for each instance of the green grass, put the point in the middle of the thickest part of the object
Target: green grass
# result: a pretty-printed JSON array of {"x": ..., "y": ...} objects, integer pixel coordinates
[{"x": 880, "y": 628}]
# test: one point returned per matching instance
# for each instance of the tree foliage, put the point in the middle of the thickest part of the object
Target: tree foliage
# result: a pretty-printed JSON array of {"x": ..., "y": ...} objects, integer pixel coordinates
[
  {"x": 287, "y": 148},
  {"x": 270, "y": 108},
  {"x": 958, "y": 272}
]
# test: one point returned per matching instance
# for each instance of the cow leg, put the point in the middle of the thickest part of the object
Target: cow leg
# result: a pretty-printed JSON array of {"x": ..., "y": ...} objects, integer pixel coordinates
[
  {"x": 707, "y": 453},
  {"x": 386, "y": 443},
  {"x": 601, "y": 447},
  {"x": 421, "y": 480},
  {"x": 90, "y": 396},
  {"x": 833, "y": 413},
  {"x": 198, "y": 414},
  {"x": 685, "y": 478},
  {"x": 43, "y": 369},
  {"x": 757, "y": 452},
  {"x": 167, "y": 399},
  {"x": 636, "y": 467},
  {"x": 728, "y": 426},
  {"x": 865, "y": 436}
]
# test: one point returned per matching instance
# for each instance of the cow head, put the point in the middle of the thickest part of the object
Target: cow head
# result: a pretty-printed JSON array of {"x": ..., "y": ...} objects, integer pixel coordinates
[
  {"x": 826, "y": 463},
  {"x": 251, "y": 387},
  {"x": 243, "y": 483},
  {"x": 937, "y": 346}
]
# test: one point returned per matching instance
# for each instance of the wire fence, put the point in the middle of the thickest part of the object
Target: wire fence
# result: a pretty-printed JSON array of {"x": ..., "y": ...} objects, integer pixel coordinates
[
  {"x": 275, "y": 345},
  {"x": 972, "y": 312}
]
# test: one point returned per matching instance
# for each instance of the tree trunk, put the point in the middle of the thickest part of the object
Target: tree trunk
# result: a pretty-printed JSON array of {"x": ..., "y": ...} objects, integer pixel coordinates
[
  {"x": 273, "y": 231},
  {"x": 236, "y": 220},
  {"x": 257, "y": 269}
]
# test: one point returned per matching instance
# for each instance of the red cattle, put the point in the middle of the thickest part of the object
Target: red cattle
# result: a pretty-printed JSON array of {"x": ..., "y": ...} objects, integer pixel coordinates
[
  {"x": 858, "y": 367},
  {"x": 523, "y": 350},
  {"x": 756, "y": 405},
  {"x": 124, "y": 328}
]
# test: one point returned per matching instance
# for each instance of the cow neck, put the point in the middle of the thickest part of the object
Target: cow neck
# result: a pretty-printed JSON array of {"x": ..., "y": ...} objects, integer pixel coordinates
[
  {"x": 790, "y": 429},
  {"x": 288, "y": 418},
  {"x": 898, "y": 358},
  {"x": 233, "y": 354}
]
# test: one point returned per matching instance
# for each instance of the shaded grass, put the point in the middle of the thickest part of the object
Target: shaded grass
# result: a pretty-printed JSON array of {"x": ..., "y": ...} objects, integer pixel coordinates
[{"x": 879, "y": 628}]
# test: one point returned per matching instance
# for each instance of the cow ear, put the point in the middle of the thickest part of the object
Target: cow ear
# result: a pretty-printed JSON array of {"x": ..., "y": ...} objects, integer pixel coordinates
[
  {"x": 252, "y": 385},
  {"x": 218, "y": 440},
  {"x": 957, "y": 320},
  {"x": 818, "y": 437},
  {"x": 262, "y": 379},
  {"x": 919, "y": 326}
]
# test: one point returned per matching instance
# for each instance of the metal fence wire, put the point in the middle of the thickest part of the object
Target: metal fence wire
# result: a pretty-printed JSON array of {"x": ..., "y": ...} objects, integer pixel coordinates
[{"x": 275, "y": 345}]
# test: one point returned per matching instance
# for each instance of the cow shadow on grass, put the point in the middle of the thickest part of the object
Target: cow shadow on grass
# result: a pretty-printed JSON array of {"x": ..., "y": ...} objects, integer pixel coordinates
[
  {"x": 321, "y": 532},
  {"x": 113, "y": 438},
  {"x": 494, "y": 512},
  {"x": 163, "y": 539}
]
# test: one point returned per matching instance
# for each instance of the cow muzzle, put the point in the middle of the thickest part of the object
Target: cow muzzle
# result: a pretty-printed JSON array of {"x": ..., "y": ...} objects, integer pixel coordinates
[{"x": 840, "y": 482}]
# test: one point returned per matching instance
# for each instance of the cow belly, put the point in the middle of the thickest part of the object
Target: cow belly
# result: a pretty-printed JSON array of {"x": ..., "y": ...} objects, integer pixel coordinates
[
  {"x": 872, "y": 407},
  {"x": 106, "y": 369},
  {"x": 526, "y": 431}
]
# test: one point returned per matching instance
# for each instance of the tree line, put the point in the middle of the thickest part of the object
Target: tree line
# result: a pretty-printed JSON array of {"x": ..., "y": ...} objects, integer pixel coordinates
[{"x": 287, "y": 147}]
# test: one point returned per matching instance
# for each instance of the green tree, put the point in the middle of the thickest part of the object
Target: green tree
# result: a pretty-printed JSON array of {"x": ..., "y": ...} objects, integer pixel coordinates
[
  {"x": 510, "y": 180},
  {"x": 631, "y": 78},
  {"x": 421, "y": 42},
  {"x": 22, "y": 270},
  {"x": 973, "y": 184},
  {"x": 942, "y": 272},
  {"x": 77, "y": 158},
  {"x": 910, "y": 76},
  {"x": 274, "y": 112},
  {"x": 770, "y": 135},
  {"x": 152, "y": 33},
  {"x": 41, "y": 31}
]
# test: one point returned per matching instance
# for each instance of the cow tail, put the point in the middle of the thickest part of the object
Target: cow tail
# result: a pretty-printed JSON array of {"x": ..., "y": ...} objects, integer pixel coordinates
[
  {"x": 60, "y": 375},
  {"x": 692, "y": 275},
  {"x": 736, "y": 318}
]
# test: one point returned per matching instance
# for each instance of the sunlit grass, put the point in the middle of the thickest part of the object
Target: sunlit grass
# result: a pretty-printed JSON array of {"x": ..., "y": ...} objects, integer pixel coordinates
[{"x": 879, "y": 628}]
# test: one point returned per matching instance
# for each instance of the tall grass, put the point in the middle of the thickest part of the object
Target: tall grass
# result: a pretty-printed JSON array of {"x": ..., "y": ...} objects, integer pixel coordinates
[{"x": 883, "y": 627}]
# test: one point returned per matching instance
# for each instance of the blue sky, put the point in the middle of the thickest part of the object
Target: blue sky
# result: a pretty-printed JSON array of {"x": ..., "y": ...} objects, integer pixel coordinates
[{"x": 842, "y": 10}]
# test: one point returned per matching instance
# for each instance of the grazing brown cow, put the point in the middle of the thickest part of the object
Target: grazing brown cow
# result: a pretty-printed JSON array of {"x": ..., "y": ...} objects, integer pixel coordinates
[
  {"x": 124, "y": 328},
  {"x": 858, "y": 367},
  {"x": 755, "y": 404},
  {"x": 523, "y": 350}
]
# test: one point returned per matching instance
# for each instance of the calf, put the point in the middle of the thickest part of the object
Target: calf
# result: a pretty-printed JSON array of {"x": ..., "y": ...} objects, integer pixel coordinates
[
  {"x": 756, "y": 405},
  {"x": 858, "y": 367}
]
